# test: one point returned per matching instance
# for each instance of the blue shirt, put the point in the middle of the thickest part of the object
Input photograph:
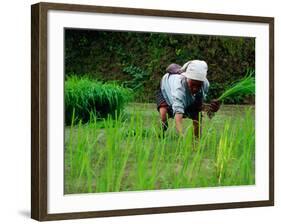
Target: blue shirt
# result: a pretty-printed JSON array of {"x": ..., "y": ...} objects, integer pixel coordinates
[{"x": 177, "y": 94}]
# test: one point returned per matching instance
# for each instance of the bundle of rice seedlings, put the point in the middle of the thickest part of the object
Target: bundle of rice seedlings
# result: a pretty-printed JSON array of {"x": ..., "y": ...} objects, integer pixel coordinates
[
  {"x": 244, "y": 87},
  {"x": 86, "y": 96}
]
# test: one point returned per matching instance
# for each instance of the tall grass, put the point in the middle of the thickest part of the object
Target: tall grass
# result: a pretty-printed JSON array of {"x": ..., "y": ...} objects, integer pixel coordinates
[
  {"x": 129, "y": 153},
  {"x": 87, "y": 96}
]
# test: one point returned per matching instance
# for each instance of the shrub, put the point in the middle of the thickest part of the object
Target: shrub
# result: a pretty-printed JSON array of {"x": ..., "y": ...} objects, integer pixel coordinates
[
  {"x": 138, "y": 75},
  {"x": 84, "y": 97}
]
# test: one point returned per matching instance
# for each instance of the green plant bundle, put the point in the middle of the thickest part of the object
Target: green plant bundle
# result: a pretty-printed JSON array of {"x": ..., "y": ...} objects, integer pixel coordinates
[
  {"x": 86, "y": 96},
  {"x": 244, "y": 87}
]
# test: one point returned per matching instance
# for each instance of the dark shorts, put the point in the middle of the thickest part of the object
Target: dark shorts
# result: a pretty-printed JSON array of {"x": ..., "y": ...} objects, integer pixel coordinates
[{"x": 160, "y": 102}]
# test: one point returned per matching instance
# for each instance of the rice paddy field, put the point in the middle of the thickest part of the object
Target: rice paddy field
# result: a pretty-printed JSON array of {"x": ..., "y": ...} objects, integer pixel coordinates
[{"x": 131, "y": 154}]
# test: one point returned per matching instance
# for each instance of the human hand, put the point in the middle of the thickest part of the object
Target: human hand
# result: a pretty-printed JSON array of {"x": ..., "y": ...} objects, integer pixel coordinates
[{"x": 214, "y": 106}]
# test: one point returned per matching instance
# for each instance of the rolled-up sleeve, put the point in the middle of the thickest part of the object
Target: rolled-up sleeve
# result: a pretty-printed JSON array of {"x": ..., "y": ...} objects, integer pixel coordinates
[{"x": 178, "y": 96}]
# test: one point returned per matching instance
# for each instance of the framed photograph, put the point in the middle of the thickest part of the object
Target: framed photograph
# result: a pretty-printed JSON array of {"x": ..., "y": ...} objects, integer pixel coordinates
[{"x": 139, "y": 111}]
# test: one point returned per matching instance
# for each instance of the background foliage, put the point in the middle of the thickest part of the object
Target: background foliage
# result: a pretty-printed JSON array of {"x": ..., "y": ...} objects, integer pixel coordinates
[{"x": 138, "y": 60}]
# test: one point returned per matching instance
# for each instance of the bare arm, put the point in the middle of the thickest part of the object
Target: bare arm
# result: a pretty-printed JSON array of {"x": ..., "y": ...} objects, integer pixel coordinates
[
  {"x": 178, "y": 119},
  {"x": 196, "y": 129}
]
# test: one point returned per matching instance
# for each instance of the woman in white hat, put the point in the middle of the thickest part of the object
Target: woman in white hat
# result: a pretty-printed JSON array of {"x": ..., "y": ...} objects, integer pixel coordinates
[{"x": 182, "y": 92}]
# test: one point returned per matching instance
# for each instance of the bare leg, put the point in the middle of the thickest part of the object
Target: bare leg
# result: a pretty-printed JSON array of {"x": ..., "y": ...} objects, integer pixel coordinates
[
  {"x": 163, "y": 116},
  {"x": 178, "y": 119}
]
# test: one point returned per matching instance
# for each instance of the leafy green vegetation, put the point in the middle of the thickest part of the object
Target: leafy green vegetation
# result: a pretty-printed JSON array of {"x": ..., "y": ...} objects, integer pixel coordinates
[
  {"x": 139, "y": 77},
  {"x": 84, "y": 96},
  {"x": 129, "y": 153},
  {"x": 140, "y": 59}
]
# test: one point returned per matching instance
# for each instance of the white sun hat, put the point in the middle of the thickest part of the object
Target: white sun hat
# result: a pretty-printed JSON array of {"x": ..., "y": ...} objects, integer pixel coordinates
[{"x": 196, "y": 70}]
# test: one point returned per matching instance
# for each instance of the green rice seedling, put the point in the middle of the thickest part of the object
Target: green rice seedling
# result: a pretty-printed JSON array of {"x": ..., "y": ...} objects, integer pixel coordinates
[
  {"x": 71, "y": 143},
  {"x": 78, "y": 157},
  {"x": 224, "y": 153},
  {"x": 122, "y": 152},
  {"x": 112, "y": 150},
  {"x": 235, "y": 156},
  {"x": 244, "y": 87},
  {"x": 184, "y": 157},
  {"x": 88, "y": 96},
  {"x": 243, "y": 169},
  {"x": 239, "y": 89},
  {"x": 123, "y": 163},
  {"x": 127, "y": 154},
  {"x": 142, "y": 153},
  {"x": 157, "y": 159},
  {"x": 115, "y": 155}
]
